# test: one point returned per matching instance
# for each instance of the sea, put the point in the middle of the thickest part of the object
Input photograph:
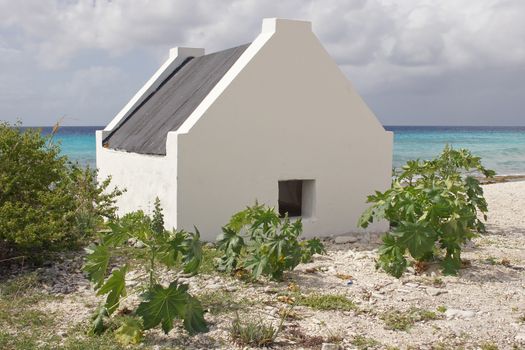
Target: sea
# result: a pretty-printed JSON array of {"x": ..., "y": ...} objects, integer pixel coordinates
[{"x": 501, "y": 148}]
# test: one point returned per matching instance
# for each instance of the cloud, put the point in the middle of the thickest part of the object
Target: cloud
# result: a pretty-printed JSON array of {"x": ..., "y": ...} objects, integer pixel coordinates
[
  {"x": 357, "y": 32},
  {"x": 414, "y": 47}
]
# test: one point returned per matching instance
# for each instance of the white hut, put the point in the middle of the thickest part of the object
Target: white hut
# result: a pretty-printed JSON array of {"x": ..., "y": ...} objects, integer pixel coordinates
[{"x": 274, "y": 121}]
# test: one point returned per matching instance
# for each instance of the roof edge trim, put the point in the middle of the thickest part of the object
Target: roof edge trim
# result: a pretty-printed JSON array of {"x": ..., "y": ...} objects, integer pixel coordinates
[
  {"x": 176, "y": 56},
  {"x": 225, "y": 81}
]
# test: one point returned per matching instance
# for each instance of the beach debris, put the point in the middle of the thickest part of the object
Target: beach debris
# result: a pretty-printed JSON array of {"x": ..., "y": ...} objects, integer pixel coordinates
[
  {"x": 420, "y": 267},
  {"x": 343, "y": 276},
  {"x": 293, "y": 287},
  {"x": 505, "y": 262},
  {"x": 286, "y": 299}
]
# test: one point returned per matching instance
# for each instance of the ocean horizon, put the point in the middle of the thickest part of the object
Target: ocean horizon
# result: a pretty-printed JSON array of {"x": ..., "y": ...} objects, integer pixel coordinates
[{"x": 501, "y": 148}]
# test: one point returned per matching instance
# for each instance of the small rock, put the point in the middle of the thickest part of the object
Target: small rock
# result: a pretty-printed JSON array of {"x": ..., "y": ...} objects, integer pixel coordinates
[
  {"x": 270, "y": 290},
  {"x": 329, "y": 346},
  {"x": 378, "y": 296},
  {"x": 360, "y": 255},
  {"x": 345, "y": 239},
  {"x": 435, "y": 291},
  {"x": 139, "y": 244},
  {"x": 456, "y": 313},
  {"x": 401, "y": 290},
  {"x": 231, "y": 289},
  {"x": 214, "y": 286},
  {"x": 412, "y": 285}
]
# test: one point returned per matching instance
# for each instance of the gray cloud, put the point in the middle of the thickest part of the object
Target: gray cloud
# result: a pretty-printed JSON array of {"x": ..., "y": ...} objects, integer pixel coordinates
[{"x": 414, "y": 61}]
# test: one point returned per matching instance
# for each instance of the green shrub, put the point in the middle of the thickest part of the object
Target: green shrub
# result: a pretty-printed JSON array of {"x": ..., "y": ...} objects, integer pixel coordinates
[
  {"x": 432, "y": 207},
  {"x": 258, "y": 240},
  {"x": 159, "y": 304},
  {"x": 46, "y": 202}
]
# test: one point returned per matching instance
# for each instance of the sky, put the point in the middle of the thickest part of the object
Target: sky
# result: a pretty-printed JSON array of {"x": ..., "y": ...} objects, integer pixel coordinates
[{"x": 415, "y": 62}]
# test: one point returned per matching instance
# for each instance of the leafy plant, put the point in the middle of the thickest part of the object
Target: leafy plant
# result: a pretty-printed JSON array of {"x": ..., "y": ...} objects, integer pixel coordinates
[
  {"x": 432, "y": 207},
  {"x": 47, "y": 203},
  {"x": 256, "y": 332},
  {"x": 159, "y": 304},
  {"x": 258, "y": 240}
]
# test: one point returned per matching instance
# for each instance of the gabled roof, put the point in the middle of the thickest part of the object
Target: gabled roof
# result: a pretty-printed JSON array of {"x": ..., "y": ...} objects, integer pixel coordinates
[{"x": 145, "y": 128}]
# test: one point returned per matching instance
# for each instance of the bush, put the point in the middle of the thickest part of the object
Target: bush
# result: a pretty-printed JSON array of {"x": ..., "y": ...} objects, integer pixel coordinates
[
  {"x": 258, "y": 240},
  {"x": 159, "y": 304},
  {"x": 46, "y": 202},
  {"x": 432, "y": 207}
]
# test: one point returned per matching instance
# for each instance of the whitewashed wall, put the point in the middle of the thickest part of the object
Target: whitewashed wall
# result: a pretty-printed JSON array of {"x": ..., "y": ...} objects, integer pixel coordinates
[
  {"x": 144, "y": 177},
  {"x": 284, "y": 111}
]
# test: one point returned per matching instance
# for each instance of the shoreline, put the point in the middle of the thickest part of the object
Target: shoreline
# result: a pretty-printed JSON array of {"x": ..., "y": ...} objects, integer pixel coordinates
[{"x": 502, "y": 179}]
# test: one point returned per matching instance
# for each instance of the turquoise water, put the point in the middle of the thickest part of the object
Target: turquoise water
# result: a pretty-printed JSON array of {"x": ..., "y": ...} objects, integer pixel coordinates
[
  {"x": 501, "y": 148},
  {"x": 78, "y": 143}
]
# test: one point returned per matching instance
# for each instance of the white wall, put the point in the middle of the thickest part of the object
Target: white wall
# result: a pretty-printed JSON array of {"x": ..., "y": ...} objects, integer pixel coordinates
[
  {"x": 144, "y": 177},
  {"x": 284, "y": 111}
]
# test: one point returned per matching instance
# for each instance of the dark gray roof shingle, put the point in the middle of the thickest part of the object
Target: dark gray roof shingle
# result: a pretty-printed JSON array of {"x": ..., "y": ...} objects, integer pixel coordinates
[{"x": 145, "y": 129}]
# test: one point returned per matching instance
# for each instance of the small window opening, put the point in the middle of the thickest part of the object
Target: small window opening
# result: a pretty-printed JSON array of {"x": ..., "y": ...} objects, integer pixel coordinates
[{"x": 296, "y": 197}]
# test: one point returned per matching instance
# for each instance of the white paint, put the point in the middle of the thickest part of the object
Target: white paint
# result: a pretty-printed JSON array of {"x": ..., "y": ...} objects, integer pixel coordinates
[
  {"x": 144, "y": 177},
  {"x": 283, "y": 111}
]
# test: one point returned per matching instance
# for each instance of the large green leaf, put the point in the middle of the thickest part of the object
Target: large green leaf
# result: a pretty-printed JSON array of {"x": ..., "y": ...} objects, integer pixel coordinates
[
  {"x": 452, "y": 261},
  {"x": 417, "y": 237},
  {"x": 116, "y": 287},
  {"x": 169, "y": 251},
  {"x": 391, "y": 256},
  {"x": 98, "y": 327},
  {"x": 117, "y": 236},
  {"x": 194, "y": 316},
  {"x": 311, "y": 247},
  {"x": 262, "y": 218},
  {"x": 230, "y": 241},
  {"x": 163, "y": 305},
  {"x": 97, "y": 264},
  {"x": 257, "y": 264},
  {"x": 192, "y": 252}
]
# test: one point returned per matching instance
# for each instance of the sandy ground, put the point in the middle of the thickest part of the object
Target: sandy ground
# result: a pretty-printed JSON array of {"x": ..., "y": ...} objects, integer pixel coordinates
[{"x": 481, "y": 307}]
